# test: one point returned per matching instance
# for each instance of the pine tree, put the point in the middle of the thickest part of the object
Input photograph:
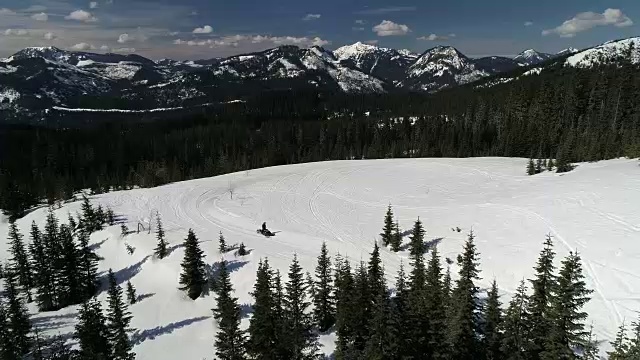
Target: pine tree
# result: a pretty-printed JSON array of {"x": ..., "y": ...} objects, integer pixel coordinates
[
  {"x": 88, "y": 266},
  {"x": 324, "y": 303},
  {"x": 567, "y": 328},
  {"x": 515, "y": 325},
  {"x": 344, "y": 289},
  {"x": 8, "y": 350},
  {"x": 302, "y": 338},
  {"x": 263, "y": 327},
  {"x": 124, "y": 230},
  {"x": 42, "y": 271},
  {"x": 361, "y": 308},
  {"x": 634, "y": 345},
  {"x": 100, "y": 217},
  {"x": 447, "y": 289},
  {"x": 375, "y": 274},
  {"x": 590, "y": 350},
  {"x": 17, "y": 315},
  {"x": 92, "y": 333},
  {"x": 71, "y": 274},
  {"x": 620, "y": 346},
  {"x": 492, "y": 328},
  {"x": 160, "y": 250},
  {"x": 401, "y": 312},
  {"x": 230, "y": 340},
  {"x": 118, "y": 320},
  {"x": 383, "y": 341},
  {"x": 539, "y": 166},
  {"x": 111, "y": 217},
  {"x": 531, "y": 168},
  {"x": 543, "y": 286},
  {"x": 550, "y": 165},
  {"x": 53, "y": 257},
  {"x": 89, "y": 218},
  {"x": 417, "y": 312},
  {"x": 242, "y": 250},
  {"x": 20, "y": 259},
  {"x": 396, "y": 239},
  {"x": 73, "y": 225},
  {"x": 435, "y": 309},
  {"x": 387, "y": 230},
  {"x": 282, "y": 347},
  {"x": 222, "y": 244},
  {"x": 464, "y": 325},
  {"x": 193, "y": 278},
  {"x": 131, "y": 293}
]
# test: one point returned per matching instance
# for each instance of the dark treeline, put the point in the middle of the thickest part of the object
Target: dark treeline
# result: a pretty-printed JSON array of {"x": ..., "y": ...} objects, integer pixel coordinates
[{"x": 564, "y": 113}]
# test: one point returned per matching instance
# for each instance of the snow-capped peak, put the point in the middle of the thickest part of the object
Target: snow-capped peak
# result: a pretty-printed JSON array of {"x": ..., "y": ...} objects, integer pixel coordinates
[
  {"x": 532, "y": 57},
  {"x": 354, "y": 50},
  {"x": 408, "y": 53},
  {"x": 626, "y": 50},
  {"x": 567, "y": 51}
]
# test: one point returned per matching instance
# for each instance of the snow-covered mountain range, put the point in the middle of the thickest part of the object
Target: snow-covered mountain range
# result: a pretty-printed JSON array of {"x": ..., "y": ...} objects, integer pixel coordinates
[{"x": 36, "y": 79}]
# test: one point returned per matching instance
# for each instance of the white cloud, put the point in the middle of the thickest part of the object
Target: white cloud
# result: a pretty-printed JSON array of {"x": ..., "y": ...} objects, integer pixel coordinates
[
  {"x": 35, "y": 8},
  {"x": 81, "y": 15},
  {"x": 389, "y": 28},
  {"x": 82, "y": 47},
  {"x": 49, "y": 36},
  {"x": 5, "y": 11},
  {"x": 93, "y": 5},
  {"x": 194, "y": 13},
  {"x": 360, "y": 22},
  {"x": 234, "y": 40},
  {"x": 355, "y": 28},
  {"x": 123, "y": 38},
  {"x": 588, "y": 20},
  {"x": 16, "y": 32},
  {"x": 124, "y": 50},
  {"x": 528, "y": 23},
  {"x": 371, "y": 42},
  {"x": 40, "y": 17},
  {"x": 386, "y": 10},
  {"x": 434, "y": 37},
  {"x": 174, "y": 33},
  {"x": 309, "y": 17},
  {"x": 104, "y": 48},
  {"x": 203, "y": 30}
]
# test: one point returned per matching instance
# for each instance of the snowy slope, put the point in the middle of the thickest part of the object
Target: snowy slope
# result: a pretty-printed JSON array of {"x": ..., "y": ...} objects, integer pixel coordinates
[
  {"x": 593, "y": 209},
  {"x": 620, "y": 50},
  {"x": 532, "y": 57}
]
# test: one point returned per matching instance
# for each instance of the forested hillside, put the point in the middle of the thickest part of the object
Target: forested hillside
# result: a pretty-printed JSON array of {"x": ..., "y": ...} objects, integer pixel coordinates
[{"x": 564, "y": 113}]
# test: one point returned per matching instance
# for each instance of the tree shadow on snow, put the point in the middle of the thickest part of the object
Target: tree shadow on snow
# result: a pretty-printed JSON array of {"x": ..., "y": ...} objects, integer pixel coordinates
[
  {"x": 212, "y": 271},
  {"x": 96, "y": 246},
  {"x": 53, "y": 322},
  {"x": 428, "y": 245},
  {"x": 173, "y": 248},
  {"x": 122, "y": 275},
  {"x": 141, "y": 297},
  {"x": 150, "y": 334}
]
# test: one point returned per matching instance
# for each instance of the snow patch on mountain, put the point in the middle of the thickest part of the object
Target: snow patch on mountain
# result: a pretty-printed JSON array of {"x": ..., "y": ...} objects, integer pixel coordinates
[
  {"x": 620, "y": 50},
  {"x": 8, "y": 95}
]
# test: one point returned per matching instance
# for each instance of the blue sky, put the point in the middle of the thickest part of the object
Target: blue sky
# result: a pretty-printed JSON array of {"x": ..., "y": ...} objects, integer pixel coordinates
[{"x": 192, "y": 29}]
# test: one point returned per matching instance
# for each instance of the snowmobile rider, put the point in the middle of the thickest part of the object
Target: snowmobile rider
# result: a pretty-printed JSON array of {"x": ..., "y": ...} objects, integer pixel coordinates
[{"x": 264, "y": 227}]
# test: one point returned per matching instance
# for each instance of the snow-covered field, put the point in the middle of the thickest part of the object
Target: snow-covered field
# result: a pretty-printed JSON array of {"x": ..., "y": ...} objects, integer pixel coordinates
[{"x": 595, "y": 210}]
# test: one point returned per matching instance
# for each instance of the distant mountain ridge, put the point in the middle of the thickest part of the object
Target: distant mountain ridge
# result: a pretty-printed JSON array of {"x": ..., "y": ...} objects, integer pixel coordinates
[{"x": 36, "y": 79}]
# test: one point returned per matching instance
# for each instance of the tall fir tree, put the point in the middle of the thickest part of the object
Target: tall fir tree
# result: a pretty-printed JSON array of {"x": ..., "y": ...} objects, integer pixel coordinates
[
  {"x": 20, "y": 260},
  {"x": 263, "y": 327},
  {"x": 531, "y": 168},
  {"x": 230, "y": 339},
  {"x": 73, "y": 225},
  {"x": 435, "y": 309},
  {"x": 53, "y": 255},
  {"x": 401, "y": 312},
  {"x": 303, "y": 341},
  {"x": 492, "y": 325},
  {"x": 634, "y": 343},
  {"x": 92, "y": 333},
  {"x": 514, "y": 341},
  {"x": 539, "y": 168},
  {"x": 360, "y": 306},
  {"x": 344, "y": 289},
  {"x": 543, "y": 285},
  {"x": 88, "y": 266},
  {"x": 8, "y": 349},
  {"x": 71, "y": 274},
  {"x": 222, "y": 244},
  {"x": 17, "y": 315},
  {"x": 590, "y": 350},
  {"x": 383, "y": 342},
  {"x": 161, "y": 249},
  {"x": 375, "y": 274},
  {"x": 192, "y": 278},
  {"x": 567, "y": 330},
  {"x": 131, "y": 293},
  {"x": 324, "y": 303},
  {"x": 282, "y": 347},
  {"x": 90, "y": 219},
  {"x": 118, "y": 321},
  {"x": 620, "y": 345},
  {"x": 464, "y": 325},
  {"x": 417, "y": 310},
  {"x": 42, "y": 271},
  {"x": 396, "y": 238},
  {"x": 387, "y": 229}
]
